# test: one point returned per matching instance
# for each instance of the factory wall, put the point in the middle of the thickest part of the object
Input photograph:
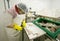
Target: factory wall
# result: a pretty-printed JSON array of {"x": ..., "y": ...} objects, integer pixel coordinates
[
  {"x": 42, "y": 7},
  {"x": 3, "y": 35},
  {"x": 56, "y": 7}
]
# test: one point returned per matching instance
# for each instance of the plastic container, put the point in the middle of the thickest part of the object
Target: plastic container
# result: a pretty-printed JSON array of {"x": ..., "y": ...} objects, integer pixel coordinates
[{"x": 51, "y": 34}]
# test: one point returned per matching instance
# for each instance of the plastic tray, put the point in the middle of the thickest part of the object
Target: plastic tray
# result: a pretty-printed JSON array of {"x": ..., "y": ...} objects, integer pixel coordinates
[{"x": 51, "y": 34}]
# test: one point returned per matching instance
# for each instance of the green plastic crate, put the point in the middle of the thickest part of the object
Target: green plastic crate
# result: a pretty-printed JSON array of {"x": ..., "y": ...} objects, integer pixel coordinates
[{"x": 51, "y": 34}]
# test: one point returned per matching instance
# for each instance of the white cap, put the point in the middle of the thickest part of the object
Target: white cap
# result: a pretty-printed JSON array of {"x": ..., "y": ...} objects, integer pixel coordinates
[{"x": 23, "y": 7}]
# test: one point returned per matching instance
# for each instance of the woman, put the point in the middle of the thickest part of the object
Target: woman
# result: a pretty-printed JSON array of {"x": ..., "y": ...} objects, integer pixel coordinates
[{"x": 18, "y": 15}]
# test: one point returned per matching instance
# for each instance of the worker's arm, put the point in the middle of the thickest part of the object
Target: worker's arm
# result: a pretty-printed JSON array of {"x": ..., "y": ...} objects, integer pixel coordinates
[
  {"x": 10, "y": 26},
  {"x": 16, "y": 26}
]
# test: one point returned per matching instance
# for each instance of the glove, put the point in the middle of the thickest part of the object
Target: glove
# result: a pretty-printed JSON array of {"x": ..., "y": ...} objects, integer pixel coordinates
[
  {"x": 23, "y": 23},
  {"x": 17, "y": 27}
]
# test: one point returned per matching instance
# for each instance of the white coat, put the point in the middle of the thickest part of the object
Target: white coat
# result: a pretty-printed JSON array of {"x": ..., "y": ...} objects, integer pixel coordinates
[{"x": 13, "y": 35}]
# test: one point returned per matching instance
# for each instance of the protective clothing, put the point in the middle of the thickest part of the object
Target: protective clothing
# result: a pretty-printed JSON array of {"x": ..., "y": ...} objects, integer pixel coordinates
[
  {"x": 13, "y": 34},
  {"x": 18, "y": 21}
]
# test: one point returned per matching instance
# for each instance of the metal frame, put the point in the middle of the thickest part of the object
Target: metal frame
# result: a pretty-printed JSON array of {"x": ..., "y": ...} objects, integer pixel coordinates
[{"x": 8, "y": 3}]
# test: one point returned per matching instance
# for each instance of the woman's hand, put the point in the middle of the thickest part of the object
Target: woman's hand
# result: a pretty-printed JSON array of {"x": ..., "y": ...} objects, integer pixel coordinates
[{"x": 10, "y": 26}]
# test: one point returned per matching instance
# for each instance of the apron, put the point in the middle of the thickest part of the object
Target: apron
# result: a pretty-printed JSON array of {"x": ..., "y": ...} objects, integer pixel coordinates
[
  {"x": 14, "y": 35},
  {"x": 18, "y": 19}
]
